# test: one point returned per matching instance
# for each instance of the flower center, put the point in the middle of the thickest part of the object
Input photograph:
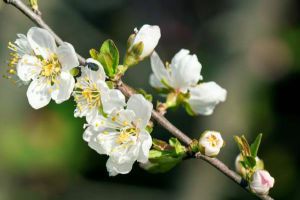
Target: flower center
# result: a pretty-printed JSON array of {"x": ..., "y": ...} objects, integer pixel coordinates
[
  {"x": 51, "y": 68},
  {"x": 125, "y": 135},
  {"x": 213, "y": 140},
  {"x": 87, "y": 95}
]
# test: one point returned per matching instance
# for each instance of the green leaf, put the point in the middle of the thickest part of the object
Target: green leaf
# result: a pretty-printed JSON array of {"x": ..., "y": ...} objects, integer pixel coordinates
[
  {"x": 189, "y": 109},
  {"x": 108, "y": 47},
  {"x": 250, "y": 161},
  {"x": 108, "y": 57},
  {"x": 179, "y": 149},
  {"x": 106, "y": 62},
  {"x": 255, "y": 145},
  {"x": 243, "y": 145},
  {"x": 162, "y": 161},
  {"x": 163, "y": 157},
  {"x": 94, "y": 54}
]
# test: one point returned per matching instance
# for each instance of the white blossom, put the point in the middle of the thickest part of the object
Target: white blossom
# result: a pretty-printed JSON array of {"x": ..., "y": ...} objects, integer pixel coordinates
[
  {"x": 183, "y": 71},
  {"x": 91, "y": 93},
  {"x": 261, "y": 182},
  {"x": 182, "y": 75},
  {"x": 39, "y": 60},
  {"x": 149, "y": 36},
  {"x": 211, "y": 143},
  {"x": 205, "y": 96},
  {"x": 122, "y": 135}
]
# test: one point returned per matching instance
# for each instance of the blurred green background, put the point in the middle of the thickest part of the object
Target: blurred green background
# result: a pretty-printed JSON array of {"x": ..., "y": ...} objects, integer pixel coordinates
[{"x": 251, "y": 48}]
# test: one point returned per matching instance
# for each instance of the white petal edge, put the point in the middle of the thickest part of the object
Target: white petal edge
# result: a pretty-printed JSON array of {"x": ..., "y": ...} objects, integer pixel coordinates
[
  {"x": 41, "y": 41},
  {"x": 67, "y": 56},
  {"x": 142, "y": 109},
  {"x": 115, "y": 168},
  {"x": 63, "y": 89}
]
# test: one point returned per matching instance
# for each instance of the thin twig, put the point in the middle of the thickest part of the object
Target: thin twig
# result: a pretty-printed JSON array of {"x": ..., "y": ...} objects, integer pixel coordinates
[{"x": 128, "y": 91}]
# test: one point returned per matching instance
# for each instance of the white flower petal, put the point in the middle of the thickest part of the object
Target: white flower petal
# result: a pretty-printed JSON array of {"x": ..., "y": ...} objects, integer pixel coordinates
[
  {"x": 88, "y": 134},
  {"x": 159, "y": 69},
  {"x": 38, "y": 93},
  {"x": 41, "y": 41},
  {"x": 67, "y": 56},
  {"x": 185, "y": 70},
  {"x": 23, "y": 45},
  {"x": 142, "y": 109},
  {"x": 113, "y": 99},
  {"x": 150, "y": 36},
  {"x": 154, "y": 82},
  {"x": 94, "y": 76},
  {"x": 28, "y": 67},
  {"x": 146, "y": 140},
  {"x": 62, "y": 90},
  {"x": 205, "y": 96},
  {"x": 123, "y": 117},
  {"x": 114, "y": 168}
]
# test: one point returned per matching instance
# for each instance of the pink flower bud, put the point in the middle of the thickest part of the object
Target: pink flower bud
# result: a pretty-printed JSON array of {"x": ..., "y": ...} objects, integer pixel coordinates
[{"x": 261, "y": 182}]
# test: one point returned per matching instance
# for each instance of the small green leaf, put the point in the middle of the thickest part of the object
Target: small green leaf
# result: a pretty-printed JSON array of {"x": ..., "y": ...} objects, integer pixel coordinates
[
  {"x": 162, "y": 161},
  {"x": 243, "y": 145},
  {"x": 109, "y": 47},
  {"x": 255, "y": 145},
  {"x": 250, "y": 161},
  {"x": 106, "y": 62},
  {"x": 94, "y": 54},
  {"x": 189, "y": 109},
  {"x": 179, "y": 149}
]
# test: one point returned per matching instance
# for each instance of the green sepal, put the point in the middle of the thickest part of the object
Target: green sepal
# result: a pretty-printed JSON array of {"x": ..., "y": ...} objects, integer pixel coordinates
[
  {"x": 188, "y": 109},
  {"x": 132, "y": 56},
  {"x": 255, "y": 145}
]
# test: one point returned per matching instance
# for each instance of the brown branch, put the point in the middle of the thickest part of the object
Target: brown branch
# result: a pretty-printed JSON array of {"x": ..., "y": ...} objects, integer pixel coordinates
[{"x": 128, "y": 91}]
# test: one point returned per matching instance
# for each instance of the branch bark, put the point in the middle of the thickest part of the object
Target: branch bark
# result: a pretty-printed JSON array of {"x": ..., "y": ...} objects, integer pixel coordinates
[{"x": 128, "y": 91}]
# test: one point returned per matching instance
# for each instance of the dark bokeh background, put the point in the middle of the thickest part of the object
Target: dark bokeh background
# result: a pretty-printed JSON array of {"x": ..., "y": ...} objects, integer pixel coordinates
[{"x": 251, "y": 48}]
